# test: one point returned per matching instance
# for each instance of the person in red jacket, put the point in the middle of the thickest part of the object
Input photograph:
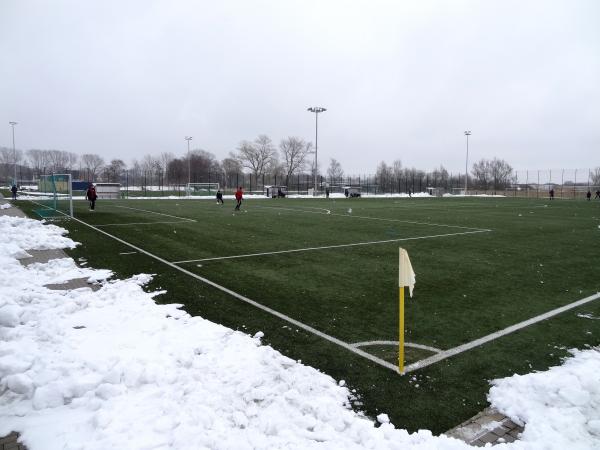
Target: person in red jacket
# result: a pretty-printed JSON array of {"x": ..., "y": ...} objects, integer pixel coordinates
[
  {"x": 91, "y": 196},
  {"x": 238, "y": 198}
]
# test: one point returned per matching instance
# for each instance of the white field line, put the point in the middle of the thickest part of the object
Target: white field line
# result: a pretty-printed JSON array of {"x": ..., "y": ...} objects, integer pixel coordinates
[
  {"x": 375, "y": 218},
  {"x": 138, "y": 223},
  {"x": 406, "y": 344},
  {"x": 288, "y": 319},
  {"x": 154, "y": 212},
  {"x": 308, "y": 249},
  {"x": 490, "y": 337}
]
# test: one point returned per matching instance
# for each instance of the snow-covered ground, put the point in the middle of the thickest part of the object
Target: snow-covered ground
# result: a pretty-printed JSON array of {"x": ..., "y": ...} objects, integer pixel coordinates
[{"x": 111, "y": 369}]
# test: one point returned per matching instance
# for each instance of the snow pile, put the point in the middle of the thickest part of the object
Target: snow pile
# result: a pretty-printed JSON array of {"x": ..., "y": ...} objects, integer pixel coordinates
[
  {"x": 18, "y": 234},
  {"x": 112, "y": 369},
  {"x": 5, "y": 206},
  {"x": 561, "y": 405}
]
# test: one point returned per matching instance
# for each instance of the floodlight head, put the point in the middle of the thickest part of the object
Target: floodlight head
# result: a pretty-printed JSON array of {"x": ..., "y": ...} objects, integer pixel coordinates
[
  {"x": 468, "y": 133},
  {"x": 188, "y": 138},
  {"x": 12, "y": 123},
  {"x": 316, "y": 109}
]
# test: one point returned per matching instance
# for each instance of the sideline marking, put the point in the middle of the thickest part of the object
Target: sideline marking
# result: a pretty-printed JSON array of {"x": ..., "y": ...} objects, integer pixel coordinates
[
  {"x": 406, "y": 344},
  {"x": 137, "y": 223},
  {"x": 490, "y": 337},
  {"x": 154, "y": 212},
  {"x": 374, "y": 218},
  {"x": 273, "y": 312},
  {"x": 329, "y": 247}
]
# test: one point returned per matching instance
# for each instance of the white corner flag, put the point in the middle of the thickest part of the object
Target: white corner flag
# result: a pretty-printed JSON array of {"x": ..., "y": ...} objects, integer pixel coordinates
[
  {"x": 406, "y": 278},
  {"x": 407, "y": 275}
]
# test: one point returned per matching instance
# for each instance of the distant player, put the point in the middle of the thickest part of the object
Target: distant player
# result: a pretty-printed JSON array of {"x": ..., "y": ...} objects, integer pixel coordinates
[
  {"x": 551, "y": 194},
  {"x": 91, "y": 196},
  {"x": 597, "y": 194},
  {"x": 219, "y": 197},
  {"x": 238, "y": 198},
  {"x": 588, "y": 195},
  {"x": 13, "y": 189}
]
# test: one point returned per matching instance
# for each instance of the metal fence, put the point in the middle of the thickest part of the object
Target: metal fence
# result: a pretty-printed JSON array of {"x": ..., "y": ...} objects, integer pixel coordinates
[{"x": 566, "y": 183}]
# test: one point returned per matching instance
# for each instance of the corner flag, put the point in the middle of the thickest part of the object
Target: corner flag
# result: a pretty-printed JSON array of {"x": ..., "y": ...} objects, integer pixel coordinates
[{"x": 406, "y": 277}]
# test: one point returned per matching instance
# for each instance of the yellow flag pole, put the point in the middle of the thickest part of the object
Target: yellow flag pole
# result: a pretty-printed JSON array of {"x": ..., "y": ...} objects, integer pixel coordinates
[{"x": 401, "y": 332}]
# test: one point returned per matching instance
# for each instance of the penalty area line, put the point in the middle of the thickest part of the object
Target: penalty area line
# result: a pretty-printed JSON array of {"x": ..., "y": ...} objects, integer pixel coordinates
[
  {"x": 154, "y": 212},
  {"x": 271, "y": 311},
  {"x": 139, "y": 223},
  {"x": 490, "y": 337},
  {"x": 326, "y": 247},
  {"x": 329, "y": 213}
]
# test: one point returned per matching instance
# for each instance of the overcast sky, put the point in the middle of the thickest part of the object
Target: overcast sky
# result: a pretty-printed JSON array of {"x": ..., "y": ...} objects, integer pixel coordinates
[{"x": 400, "y": 80}]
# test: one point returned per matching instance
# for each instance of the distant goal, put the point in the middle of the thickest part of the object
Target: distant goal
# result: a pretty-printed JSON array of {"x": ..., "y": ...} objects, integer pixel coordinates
[
  {"x": 201, "y": 189},
  {"x": 54, "y": 196}
]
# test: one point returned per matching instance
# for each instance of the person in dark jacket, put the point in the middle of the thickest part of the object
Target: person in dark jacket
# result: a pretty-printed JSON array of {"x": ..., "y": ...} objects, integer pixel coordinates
[
  {"x": 91, "y": 196},
  {"x": 597, "y": 194},
  {"x": 238, "y": 198},
  {"x": 219, "y": 197},
  {"x": 588, "y": 195},
  {"x": 14, "y": 189},
  {"x": 551, "y": 194}
]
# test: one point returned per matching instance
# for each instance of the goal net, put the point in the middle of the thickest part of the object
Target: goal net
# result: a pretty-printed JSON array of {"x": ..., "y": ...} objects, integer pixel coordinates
[
  {"x": 54, "y": 196},
  {"x": 201, "y": 189}
]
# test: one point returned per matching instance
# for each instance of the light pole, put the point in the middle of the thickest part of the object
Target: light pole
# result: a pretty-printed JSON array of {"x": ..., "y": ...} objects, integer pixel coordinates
[
  {"x": 316, "y": 110},
  {"x": 188, "y": 139},
  {"x": 12, "y": 124},
  {"x": 467, "y": 134}
]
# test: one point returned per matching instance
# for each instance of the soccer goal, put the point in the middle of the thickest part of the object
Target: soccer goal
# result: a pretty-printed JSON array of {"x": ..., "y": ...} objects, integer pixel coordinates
[
  {"x": 54, "y": 196},
  {"x": 201, "y": 189}
]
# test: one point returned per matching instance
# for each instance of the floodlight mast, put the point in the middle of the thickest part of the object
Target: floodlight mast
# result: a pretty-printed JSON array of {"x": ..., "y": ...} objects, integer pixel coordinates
[
  {"x": 188, "y": 139},
  {"x": 12, "y": 124},
  {"x": 316, "y": 110},
  {"x": 467, "y": 134}
]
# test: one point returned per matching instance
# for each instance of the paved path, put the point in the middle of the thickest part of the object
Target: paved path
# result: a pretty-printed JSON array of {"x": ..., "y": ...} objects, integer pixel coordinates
[{"x": 489, "y": 426}]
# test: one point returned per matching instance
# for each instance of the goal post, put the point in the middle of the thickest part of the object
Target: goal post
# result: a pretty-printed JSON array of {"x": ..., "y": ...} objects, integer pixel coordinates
[
  {"x": 55, "y": 195},
  {"x": 201, "y": 189}
]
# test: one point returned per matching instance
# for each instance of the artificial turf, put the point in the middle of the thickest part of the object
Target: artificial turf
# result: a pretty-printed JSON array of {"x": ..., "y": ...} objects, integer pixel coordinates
[{"x": 538, "y": 255}]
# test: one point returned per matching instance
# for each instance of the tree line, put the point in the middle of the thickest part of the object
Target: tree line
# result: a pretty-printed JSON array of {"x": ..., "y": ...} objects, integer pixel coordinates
[{"x": 292, "y": 157}]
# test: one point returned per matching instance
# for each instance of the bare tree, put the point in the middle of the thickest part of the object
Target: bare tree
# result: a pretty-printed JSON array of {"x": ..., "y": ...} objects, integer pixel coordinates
[
  {"x": 38, "y": 160},
  {"x": 231, "y": 168},
  {"x": 384, "y": 176},
  {"x": 58, "y": 160},
  {"x": 115, "y": 169},
  {"x": 93, "y": 164},
  {"x": 6, "y": 160},
  {"x": 335, "y": 172},
  {"x": 397, "y": 168},
  {"x": 256, "y": 155},
  {"x": 72, "y": 159},
  {"x": 595, "y": 176},
  {"x": 440, "y": 175},
  {"x": 501, "y": 172},
  {"x": 481, "y": 172},
  {"x": 165, "y": 158},
  {"x": 294, "y": 151}
]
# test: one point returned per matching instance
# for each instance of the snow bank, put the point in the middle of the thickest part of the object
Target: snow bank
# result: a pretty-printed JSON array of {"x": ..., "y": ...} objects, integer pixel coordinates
[
  {"x": 112, "y": 369},
  {"x": 18, "y": 234},
  {"x": 562, "y": 403}
]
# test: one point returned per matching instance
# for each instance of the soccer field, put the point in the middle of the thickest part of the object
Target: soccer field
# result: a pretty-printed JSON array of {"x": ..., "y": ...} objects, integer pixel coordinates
[{"x": 320, "y": 277}]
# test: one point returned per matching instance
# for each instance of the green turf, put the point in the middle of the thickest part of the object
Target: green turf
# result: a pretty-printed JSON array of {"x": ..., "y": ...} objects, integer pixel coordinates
[{"x": 538, "y": 255}]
